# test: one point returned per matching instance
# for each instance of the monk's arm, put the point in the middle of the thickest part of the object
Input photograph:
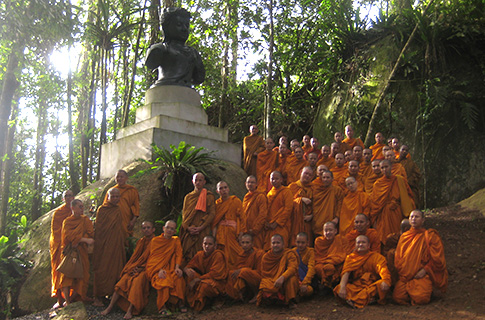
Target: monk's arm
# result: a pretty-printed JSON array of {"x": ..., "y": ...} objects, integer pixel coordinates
[
  {"x": 262, "y": 205},
  {"x": 292, "y": 265},
  {"x": 343, "y": 285},
  {"x": 311, "y": 269},
  {"x": 218, "y": 270},
  {"x": 211, "y": 212}
]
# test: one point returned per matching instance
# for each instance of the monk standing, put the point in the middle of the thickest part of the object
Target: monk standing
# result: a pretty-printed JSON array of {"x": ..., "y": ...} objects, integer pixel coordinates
[
  {"x": 361, "y": 228},
  {"x": 389, "y": 249},
  {"x": 377, "y": 147},
  {"x": 412, "y": 171},
  {"x": 267, "y": 162},
  {"x": 372, "y": 178},
  {"x": 340, "y": 170},
  {"x": 109, "y": 255},
  {"x": 306, "y": 264},
  {"x": 295, "y": 165},
  {"x": 301, "y": 218},
  {"x": 197, "y": 214},
  {"x": 312, "y": 160},
  {"x": 58, "y": 218},
  {"x": 326, "y": 159},
  {"x": 355, "y": 201},
  {"x": 339, "y": 146},
  {"x": 420, "y": 262},
  {"x": 365, "y": 166},
  {"x": 350, "y": 140},
  {"x": 255, "y": 209},
  {"x": 252, "y": 145},
  {"x": 396, "y": 167},
  {"x": 306, "y": 145}
]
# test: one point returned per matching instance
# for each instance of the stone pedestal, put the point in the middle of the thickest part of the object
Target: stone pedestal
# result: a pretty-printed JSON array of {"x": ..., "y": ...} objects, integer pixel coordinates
[{"x": 171, "y": 114}]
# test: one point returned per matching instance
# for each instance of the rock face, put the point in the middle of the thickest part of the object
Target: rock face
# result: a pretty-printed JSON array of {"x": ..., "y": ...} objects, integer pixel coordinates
[
  {"x": 75, "y": 310},
  {"x": 35, "y": 292}
]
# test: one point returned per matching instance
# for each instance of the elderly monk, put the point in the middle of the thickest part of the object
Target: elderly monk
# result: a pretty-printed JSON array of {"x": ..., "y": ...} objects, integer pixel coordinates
[
  {"x": 350, "y": 140},
  {"x": 197, "y": 214},
  {"x": 339, "y": 146},
  {"x": 372, "y": 178},
  {"x": 352, "y": 171},
  {"x": 279, "y": 269},
  {"x": 306, "y": 264},
  {"x": 129, "y": 202},
  {"x": 301, "y": 218},
  {"x": 131, "y": 292},
  {"x": 305, "y": 143},
  {"x": 365, "y": 277},
  {"x": 206, "y": 274},
  {"x": 243, "y": 280},
  {"x": 312, "y": 160},
  {"x": 226, "y": 225},
  {"x": 295, "y": 165},
  {"x": 355, "y": 201},
  {"x": 365, "y": 166},
  {"x": 280, "y": 207},
  {"x": 330, "y": 252},
  {"x": 265, "y": 165},
  {"x": 109, "y": 255},
  {"x": 327, "y": 202},
  {"x": 60, "y": 214},
  {"x": 420, "y": 262},
  {"x": 389, "y": 249},
  {"x": 326, "y": 159},
  {"x": 412, "y": 171},
  {"x": 396, "y": 167},
  {"x": 377, "y": 147},
  {"x": 254, "y": 212},
  {"x": 340, "y": 170},
  {"x": 77, "y": 231},
  {"x": 362, "y": 228},
  {"x": 163, "y": 269},
  {"x": 391, "y": 200},
  {"x": 252, "y": 145}
]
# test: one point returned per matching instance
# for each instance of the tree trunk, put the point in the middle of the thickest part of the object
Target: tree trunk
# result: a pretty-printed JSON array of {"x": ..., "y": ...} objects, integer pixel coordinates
[
  {"x": 39, "y": 161},
  {"x": 104, "y": 106},
  {"x": 269, "y": 85},
  {"x": 73, "y": 174}
]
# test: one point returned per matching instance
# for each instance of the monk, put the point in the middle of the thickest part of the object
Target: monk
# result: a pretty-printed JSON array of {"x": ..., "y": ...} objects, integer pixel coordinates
[
  {"x": 412, "y": 171},
  {"x": 301, "y": 218},
  {"x": 295, "y": 165},
  {"x": 395, "y": 145},
  {"x": 163, "y": 269},
  {"x": 396, "y": 168},
  {"x": 306, "y": 264},
  {"x": 330, "y": 252},
  {"x": 295, "y": 144},
  {"x": 305, "y": 143},
  {"x": 58, "y": 217},
  {"x": 131, "y": 292},
  {"x": 377, "y": 147},
  {"x": 252, "y": 145},
  {"x": 197, "y": 214},
  {"x": 327, "y": 203},
  {"x": 226, "y": 225},
  {"x": 206, "y": 275},
  {"x": 372, "y": 178},
  {"x": 355, "y": 201},
  {"x": 265, "y": 165},
  {"x": 420, "y": 262},
  {"x": 352, "y": 171},
  {"x": 348, "y": 156},
  {"x": 254, "y": 212},
  {"x": 340, "y": 170},
  {"x": 243, "y": 281},
  {"x": 279, "y": 280},
  {"x": 320, "y": 170},
  {"x": 326, "y": 159},
  {"x": 280, "y": 207},
  {"x": 312, "y": 160},
  {"x": 389, "y": 249},
  {"x": 391, "y": 200},
  {"x": 365, "y": 166},
  {"x": 77, "y": 231},
  {"x": 365, "y": 277},
  {"x": 283, "y": 154},
  {"x": 350, "y": 140},
  {"x": 362, "y": 228},
  {"x": 315, "y": 147},
  {"x": 339, "y": 145},
  {"x": 109, "y": 255},
  {"x": 357, "y": 153}
]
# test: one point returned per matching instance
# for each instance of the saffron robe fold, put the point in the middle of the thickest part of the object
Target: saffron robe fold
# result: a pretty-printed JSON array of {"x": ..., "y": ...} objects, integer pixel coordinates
[
  {"x": 377, "y": 151},
  {"x": 327, "y": 203},
  {"x": 255, "y": 210},
  {"x": 329, "y": 162},
  {"x": 280, "y": 207},
  {"x": 129, "y": 204},
  {"x": 369, "y": 182},
  {"x": 251, "y": 144},
  {"x": 398, "y": 170},
  {"x": 300, "y": 210},
  {"x": 265, "y": 165},
  {"x": 353, "y": 142},
  {"x": 249, "y": 264},
  {"x": 338, "y": 173},
  {"x": 293, "y": 169},
  {"x": 414, "y": 176},
  {"x": 372, "y": 234},
  {"x": 58, "y": 217},
  {"x": 358, "y": 177},
  {"x": 307, "y": 259},
  {"x": 352, "y": 204},
  {"x": 329, "y": 257},
  {"x": 365, "y": 169}
]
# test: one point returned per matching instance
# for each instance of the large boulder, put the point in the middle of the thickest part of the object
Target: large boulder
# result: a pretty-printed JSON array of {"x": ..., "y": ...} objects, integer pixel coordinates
[{"x": 75, "y": 310}]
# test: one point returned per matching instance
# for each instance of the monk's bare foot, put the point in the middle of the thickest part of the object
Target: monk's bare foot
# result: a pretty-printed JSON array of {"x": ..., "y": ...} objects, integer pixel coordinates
[
  {"x": 254, "y": 299},
  {"x": 106, "y": 311},
  {"x": 58, "y": 305},
  {"x": 98, "y": 303},
  {"x": 128, "y": 315}
]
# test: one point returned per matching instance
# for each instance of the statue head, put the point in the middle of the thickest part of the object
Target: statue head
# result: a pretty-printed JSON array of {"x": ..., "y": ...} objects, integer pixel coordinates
[{"x": 175, "y": 24}]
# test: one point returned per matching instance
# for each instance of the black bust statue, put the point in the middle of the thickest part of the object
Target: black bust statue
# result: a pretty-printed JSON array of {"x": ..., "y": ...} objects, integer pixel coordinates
[{"x": 177, "y": 63}]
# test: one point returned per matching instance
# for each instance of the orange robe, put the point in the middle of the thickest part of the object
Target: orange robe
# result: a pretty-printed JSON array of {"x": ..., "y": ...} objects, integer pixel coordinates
[
  {"x": 281, "y": 162},
  {"x": 369, "y": 182},
  {"x": 338, "y": 173},
  {"x": 318, "y": 152},
  {"x": 389, "y": 251},
  {"x": 255, "y": 209},
  {"x": 306, "y": 268},
  {"x": 374, "y": 239},
  {"x": 353, "y": 142},
  {"x": 306, "y": 148},
  {"x": 133, "y": 287},
  {"x": 293, "y": 169},
  {"x": 249, "y": 264},
  {"x": 265, "y": 165},
  {"x": 129, "y": 204},
  {"x": 73, "y": 229},
  {"x": 109, "y": 255},
  {"x": 377, "y": 151},
  {"x": 251, "y": 144},
  {"x": 329, "y": 162},
  {"x": 212, "y": 271},
  {"x": 166, "y": 254},
  {"x": 391, "y": 200},
  {"x": 398, "y": 169},
  {"x": 280, "y": 207},
  {"x": 300, "y": 210},
  {"x": 274, "y": 266},
  {"x": 368, "y": 271},
  {"x": 343, "y": 147},
  {"x": 228, "y": 223},
  {"x": 358, "y": 177},
  {"x": 192, "y": 243},
  {"x": 329, "y": 257},
  {"x": 418, "y": 249},
  {"x": 58, "y": 218},
  {"x": 353, "y": 203},
  {"x": 327, "y": 203},
  {"x": 414, "y": 176},
  {"x": 365, "y": 169}
]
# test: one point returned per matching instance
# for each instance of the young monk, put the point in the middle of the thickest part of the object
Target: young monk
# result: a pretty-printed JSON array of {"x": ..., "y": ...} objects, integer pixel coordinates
[
  {"x": 312, "y": 160},
  {"x": 365, "y": 166},
  {"x": 295, "y": 165},
  {"x": 301, "y": 218},
  {"x": 326, "y": 159},
  {"x": 376, "y": 174},
  {"x": 340, "y": 169},
  {"x": 362, "y": 228},
  {"x": 255, "y": 209},
  {"x": 252, "y": 145},
  {"x": 283, "y": 155},
  {"x": 265, "y": 165},
  {"x": 306, "y": 266},
  {"x": 339, "y": 146},
  {"x": 357, "y": 154},
  {"x": 412, "y": 171},
  {"x": 355, "y": 201},
  {"x": 365, "y": 277},
  {"x": 377, "y": 147},
  {"x": 352, "y": 171},
  {"x": 306, "y": 145},
  {"x": 348, "y": 155},
  {"x": 396, "y": 167},
  {"x": 350, "y": 140},
  {"x": 420, "y": 262},
  {"x": 279, "y": 268}
]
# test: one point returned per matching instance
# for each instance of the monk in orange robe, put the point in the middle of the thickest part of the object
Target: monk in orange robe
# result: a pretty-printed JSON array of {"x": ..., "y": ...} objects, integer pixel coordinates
[
  {"x": 326, "y": 159},
  {"x": 395, "y": 145},
  {"x": 306, "y": 264},
  {"x": 301, "y": 218},
  {"x": 412, "y": 172},
  {"x": 163, "y": 269},
  {"x": 294, "y": 144},
  {"x": 243, "y": 280},
  {"x": 330, "y": 252},
  {"x": 131, "y": 292},
  {"x": 312, "y": 161},
  {"x": 109, "y": 255},
  {"x": 283, "y": 155},
  {"x": 197, "y": 214},
  {"x": 129, "y": 203},
  {"x": 280, "y": 207},
  {"x": 354, "y": 202},
  {"x": 377, "y": 147},
  {"x": 58, "y": 217},
  {"x": 389, "y": 249},
  {"x": 340, "y": 170},
  {"x": 327, "y": 203},
  {"x": 357, "y": 154},
  {"x": 305, "y": 143},
  {"x": 352, "y": 171},
  {"x": 267, "y": 162},
  {"x": 206, "y": 275},
  {"x": 365, "y": 166},
  {"x": 315, "y": 148},
  {"x": 372, "y": 178},
  {"x": 350, "y": 140},
  {"x": 396, "y": 168},
  {"x": 391, "y": 200},
  {"x": 254, "y": 212},
  {"x": 339, "y": 146},
  {"x": 252, "y": 145},
  {"x": 279, "y": 270},
  {"x": 77, "y": 231},
  {"x": 420, "y": 262},
  {"x": 294, "y": 166},
  {"x": 226, "y": 225},
  {"x": 361, "y": 228},
  {"x": 365, "y": 277}
]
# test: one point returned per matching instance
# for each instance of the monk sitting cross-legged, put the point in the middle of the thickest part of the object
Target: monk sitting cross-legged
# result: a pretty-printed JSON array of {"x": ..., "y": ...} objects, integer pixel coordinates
[
  {"x": 306, "y": 264},
  {"x": 255, "y": 209},
  {"x": 362, "y": 228}
]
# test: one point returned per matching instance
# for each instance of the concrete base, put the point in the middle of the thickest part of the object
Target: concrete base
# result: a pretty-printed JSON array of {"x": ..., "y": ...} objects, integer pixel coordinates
[{"x": 171, "y": 114}]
